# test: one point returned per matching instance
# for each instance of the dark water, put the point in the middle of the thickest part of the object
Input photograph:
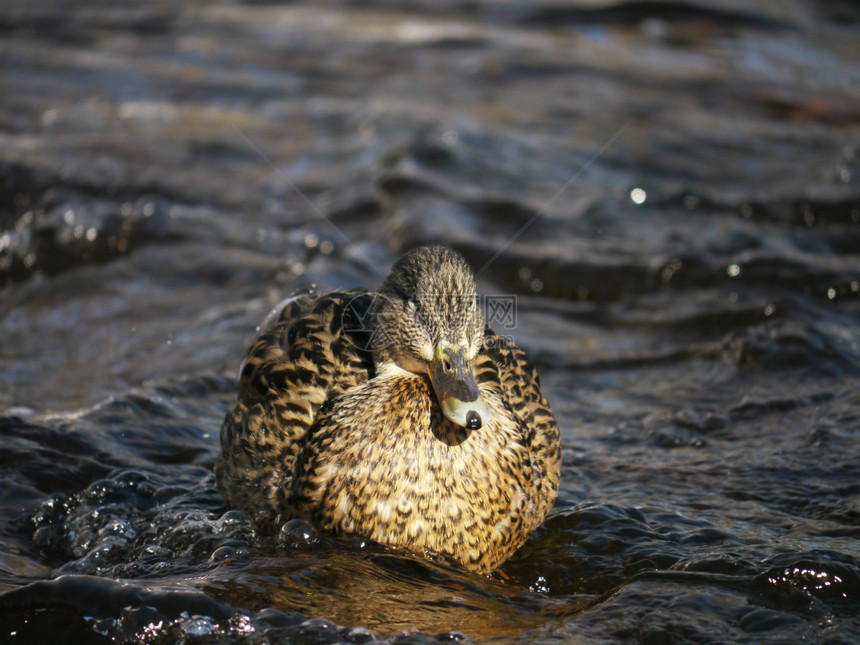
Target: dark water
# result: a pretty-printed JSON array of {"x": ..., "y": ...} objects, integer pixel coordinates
[{"x": 671, "y": 190}]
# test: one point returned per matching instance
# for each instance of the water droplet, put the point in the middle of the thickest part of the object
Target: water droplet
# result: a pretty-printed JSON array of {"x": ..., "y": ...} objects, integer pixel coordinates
[
  {"x": 671, "y": 269},
  {"x": 638, "y": 196},
  {"x": 525, "y": 273},
  {"x": 311, "y": 240},
  {"x": 734, "y": 270},
  {"x": 450, "y": 138},
  {"x": 536, "y": 285},
  {"x": 831, "y": 293},
  {"x": 540, "y": 586},
  {"x": 326, "y": 247}
]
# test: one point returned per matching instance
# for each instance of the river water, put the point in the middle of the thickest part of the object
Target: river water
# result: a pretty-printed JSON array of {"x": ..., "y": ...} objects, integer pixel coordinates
[{"x": 670, "y": 191}]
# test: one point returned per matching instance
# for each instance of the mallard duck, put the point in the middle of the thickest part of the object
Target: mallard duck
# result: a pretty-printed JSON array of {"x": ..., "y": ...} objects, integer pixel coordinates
[{"x": 397, "y": 416}]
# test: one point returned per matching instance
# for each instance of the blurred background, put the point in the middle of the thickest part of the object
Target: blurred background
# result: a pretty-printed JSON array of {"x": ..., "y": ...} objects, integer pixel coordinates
[{"x": 670, "y": 190}]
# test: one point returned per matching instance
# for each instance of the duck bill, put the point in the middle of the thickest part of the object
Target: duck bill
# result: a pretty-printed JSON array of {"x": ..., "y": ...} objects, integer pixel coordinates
[{"x": 456, "y": 388}]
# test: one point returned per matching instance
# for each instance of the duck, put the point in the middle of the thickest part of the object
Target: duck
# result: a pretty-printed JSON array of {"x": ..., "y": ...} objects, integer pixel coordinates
[{"x": 395, "y": 415}]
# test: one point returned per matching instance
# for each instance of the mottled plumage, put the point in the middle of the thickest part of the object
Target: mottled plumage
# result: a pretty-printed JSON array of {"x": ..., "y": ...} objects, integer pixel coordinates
[{"x": 395, "y": 415}]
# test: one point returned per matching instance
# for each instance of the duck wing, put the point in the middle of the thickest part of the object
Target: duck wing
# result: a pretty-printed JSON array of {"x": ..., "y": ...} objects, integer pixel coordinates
[
  {"x": 306, "y": 354},
  {"x": 505, "y": 365}
]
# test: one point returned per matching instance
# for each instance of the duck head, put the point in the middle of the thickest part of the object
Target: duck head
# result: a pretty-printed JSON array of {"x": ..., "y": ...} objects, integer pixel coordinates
[{"x": 427, "y": 321}]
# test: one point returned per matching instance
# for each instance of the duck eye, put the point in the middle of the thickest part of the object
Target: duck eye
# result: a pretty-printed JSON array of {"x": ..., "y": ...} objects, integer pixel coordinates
[{"x": 447, "y": 365}]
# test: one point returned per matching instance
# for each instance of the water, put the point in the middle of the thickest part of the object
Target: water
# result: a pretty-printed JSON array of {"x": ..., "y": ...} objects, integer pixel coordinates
[{"x": 670, "y": 190}]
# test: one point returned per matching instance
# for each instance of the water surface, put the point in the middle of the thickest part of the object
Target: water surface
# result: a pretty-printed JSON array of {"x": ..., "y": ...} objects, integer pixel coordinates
[{"x": 670, "y": 190}]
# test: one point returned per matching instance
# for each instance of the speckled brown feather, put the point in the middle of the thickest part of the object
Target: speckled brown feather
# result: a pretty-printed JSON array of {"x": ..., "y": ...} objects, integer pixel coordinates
[
  {"x": 319, "y": 433},
  {"x": 308, "y": 355}
]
